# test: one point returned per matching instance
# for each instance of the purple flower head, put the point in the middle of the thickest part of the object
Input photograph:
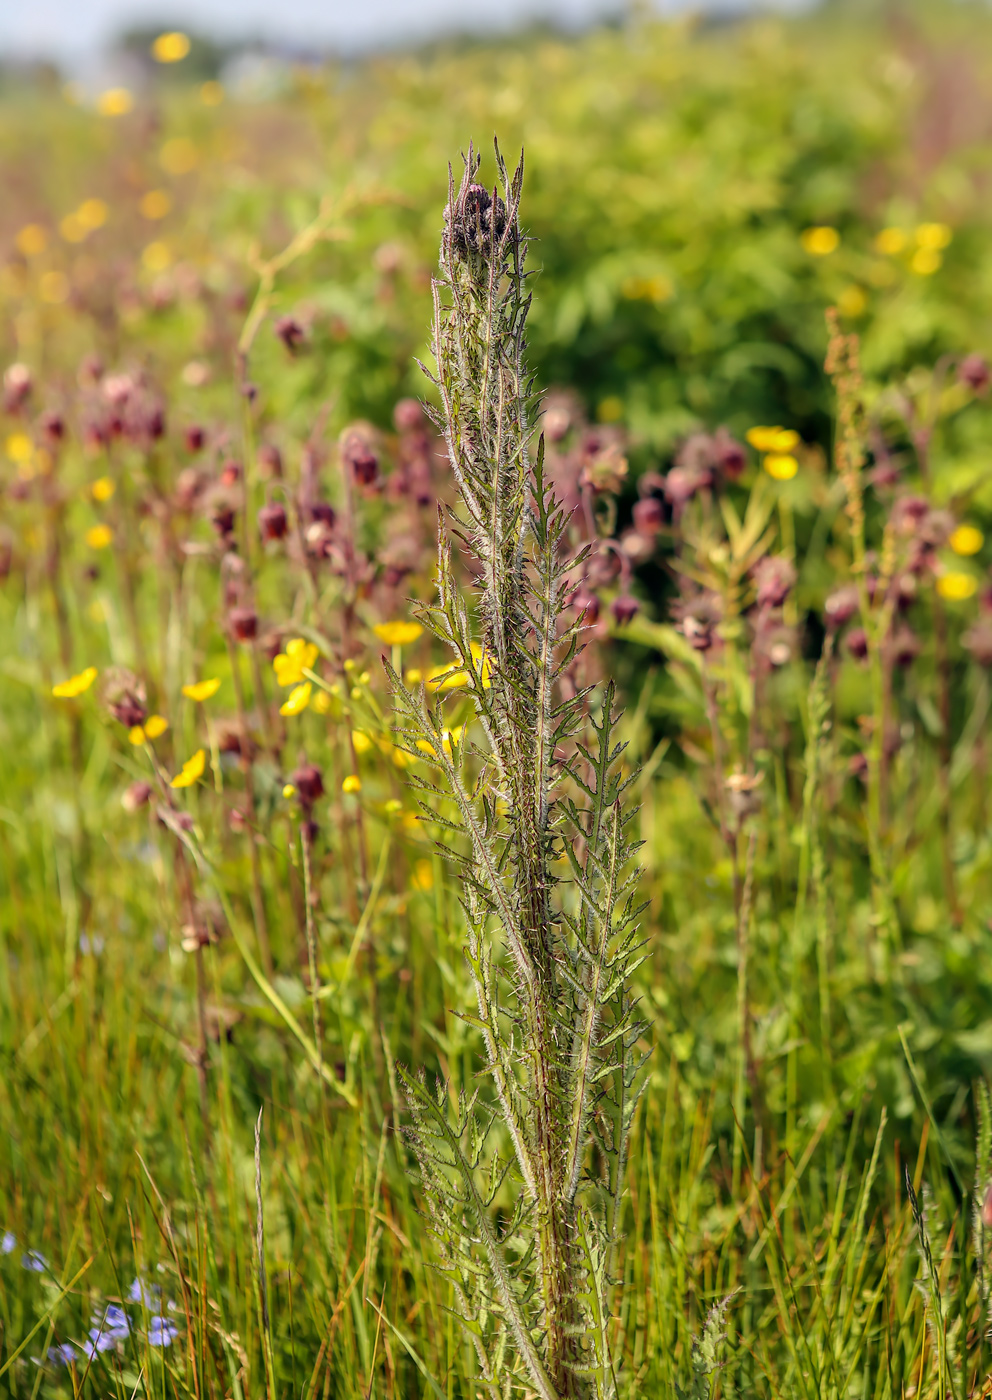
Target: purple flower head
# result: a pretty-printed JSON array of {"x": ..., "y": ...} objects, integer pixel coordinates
[
  {"x": 8, "y": 1242},
  {"x": 35, "y": 1262},
  {"x": 105, "y": 1333},
  {"x": 162, "y": 1332},
  {"x": 147, "y": 1294},
  {"x": 62, "y": 1355}
]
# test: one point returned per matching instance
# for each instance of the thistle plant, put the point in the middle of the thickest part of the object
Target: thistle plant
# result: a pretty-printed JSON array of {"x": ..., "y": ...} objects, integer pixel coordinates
[{"x": 523, "y": 1178}]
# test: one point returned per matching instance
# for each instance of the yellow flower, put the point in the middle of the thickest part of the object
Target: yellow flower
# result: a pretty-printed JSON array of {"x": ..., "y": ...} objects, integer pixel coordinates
[
  {"x": 352, "y": 783},
  {"x": 956, "y": 587},
  {"x": 398, "y": 634},
  {"x": 781, "y": 465},
  {"x": 290, "y": 664},
  {"x": 75, "y": 685},
  {"x": 451, "y": 676},
  {"x": 414, "y": 676},
  {"x": 820, "y": 240},
  {"x": 20, "y": 448},
  {"x": 156, "y": 257},
  {"x": 773, "y": 439},
  {"x": 448, "y": 737},
  {"x": 322, "y": 702},
  {"x": 99, "y": 536},
  {"x": 288, "y": 790},
  {"x": 32, "y": 240},
  {"x": 422, "y": 877},
  {"x": 890, "y": 241},
  {"x": 852, "y": 301},
  {"x": 191, "y": 770},
  {"x": 925, "y": 262},
  {"x": 212, "y": 94},
  {"x": 155, "y": 204},
  {"x": 178, "y": 156},
  {"x": 153, "y": 727},
  {"x": 92, "y": 213},
  {"x": 967, "y": 539},
  {"x": 297, "y": 700},
  {"x": 202, "y": 690},
  {"x": 170, "y": 48},
  {"x": 934, "y": 236},
  {"x": 361, "y": 741},
  {"x": 115, "y": 102},
  {"x": 102, "y": 489},
  {"x": 400, "y": 757}
]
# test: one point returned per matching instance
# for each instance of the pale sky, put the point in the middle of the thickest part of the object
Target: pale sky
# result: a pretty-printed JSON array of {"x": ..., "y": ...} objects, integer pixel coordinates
[{"x": 70, "y": 29}]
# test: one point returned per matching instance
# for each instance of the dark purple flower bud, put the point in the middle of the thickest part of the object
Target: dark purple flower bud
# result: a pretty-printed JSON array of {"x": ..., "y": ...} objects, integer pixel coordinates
[
  {"x": 358, "y": 456},
  {"x": 649, "y": 515},
  {"x": 135, "y": 796},
  {"x": 51, "y": 428},
  {"x": 269, "y": 461},
  {"x": 905, "y": 646},
  {"x": 272, "y": 523},
  {"x": 249, "y": 391},
  {"x": 230, "y": 473},
  {"x": 290, "y": 332},
  {"x": 473, "y": 221},
  {"x": 322, "y": 512},
  {"x": 17, "y": 385},
  {"x": 624, "y": 607},
  {"x": 729, "y": 454},
  {"x": 907, "y": 513},
  {"x": 195, "y": 437},
  {"x": 774, "y": 577},
  {"x": 974, "y": 371},
  {"x": 222, "y": 520},
  {"x": 243, "y": 622},
  {"x": 841, "y": 605},
  {"x": 309, "y": 784},
  {"x": 856, "y": 642}
]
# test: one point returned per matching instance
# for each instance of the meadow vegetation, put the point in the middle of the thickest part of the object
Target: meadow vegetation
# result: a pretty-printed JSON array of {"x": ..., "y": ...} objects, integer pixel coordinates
[{"x": 345, "y": 1051}]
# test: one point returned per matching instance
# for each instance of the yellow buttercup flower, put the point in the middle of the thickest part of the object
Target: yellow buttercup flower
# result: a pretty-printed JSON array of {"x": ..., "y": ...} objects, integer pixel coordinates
[
  {"x": 956, "y": 587},
  {"x": 400, "y": 757},
  {"x": 290, "y": 664},
  {"x": 20, "y": 448},
  {"x": 115, "y": 102},
  {"x": 155, "y": 726},
  {"x": 352, "y": 783},
  {"x": 136, "y": 735},
  {"x": 102, "y": 489},
  {"x": 155, "y": 204},
  {"x": 361, "y": 741},
  {"x": 772, "y": 439},
  {"x": 451, "y": 675},
  {"x": 414, "y": 676},
  {"x": 32, "y": 240},
  {"x": 820, "y": 240},
  {"x": 934, "y": 236},
  {"x": 781, "y": 465},
  {"x": 966, "y": 539},
  {"x": 171, "y": 48},
  {"x": 288, "y": 790},
  {"x": 448, "y": 737},
  {"x": 192, "y": 769},
  {"x": 297, "y": 700},
  {"x": 422, "y": 877},
  {"x": 75, "y": 685},
  {"x": 926, "y": 261},
  {"x": 202, "y": 690},
  {"x": 322, "y": 702},
  {"x": 99, "y": 536},
  {"x": 890, "y": 241},
  {"x": 398, "y": 634}
]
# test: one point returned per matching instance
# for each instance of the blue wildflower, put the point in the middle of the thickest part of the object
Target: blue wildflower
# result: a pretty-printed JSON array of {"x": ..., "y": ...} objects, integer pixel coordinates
[
  {"x": 34, "y": 1261},
  {"x": 114, "y": 1327},
  {"x": 162, "y": 1332},
  {"x": 62, "y": 1355},
  {"x": 147, "y": 1294},
  {"x": 8, "y": 1242}
]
